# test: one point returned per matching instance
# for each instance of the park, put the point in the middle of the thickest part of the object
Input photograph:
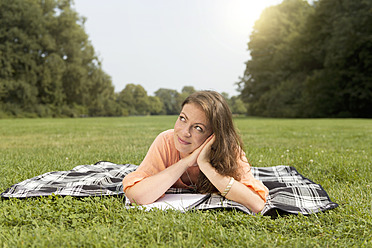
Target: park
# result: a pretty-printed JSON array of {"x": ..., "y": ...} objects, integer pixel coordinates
[
  {"x": 334, "y": 153},
  {"x": 304, "y": 100}
]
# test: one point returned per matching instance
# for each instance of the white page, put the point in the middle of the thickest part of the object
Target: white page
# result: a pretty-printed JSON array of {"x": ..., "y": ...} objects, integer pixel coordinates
[{"x": 174, "y": 201}]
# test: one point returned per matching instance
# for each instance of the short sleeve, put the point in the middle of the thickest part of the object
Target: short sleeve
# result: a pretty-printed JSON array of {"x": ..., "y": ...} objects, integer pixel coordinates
[
  {"x": 248, "y": 180},
  {"x": 157, "y": 159}
]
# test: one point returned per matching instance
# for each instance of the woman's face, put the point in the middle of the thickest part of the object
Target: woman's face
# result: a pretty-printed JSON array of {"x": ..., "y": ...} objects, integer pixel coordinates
[{"x": 191, "y": 129}]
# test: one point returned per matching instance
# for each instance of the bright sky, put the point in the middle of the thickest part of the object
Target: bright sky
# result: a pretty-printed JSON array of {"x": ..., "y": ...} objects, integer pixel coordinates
[{"x": 172, "y": 43}]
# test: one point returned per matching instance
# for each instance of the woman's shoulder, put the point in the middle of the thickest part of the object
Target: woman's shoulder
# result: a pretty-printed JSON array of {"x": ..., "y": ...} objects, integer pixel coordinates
[
  {"x": 167, "y": 134},
  {"x": 164, "y": 144},
  {"x": 165, "y": 137}
]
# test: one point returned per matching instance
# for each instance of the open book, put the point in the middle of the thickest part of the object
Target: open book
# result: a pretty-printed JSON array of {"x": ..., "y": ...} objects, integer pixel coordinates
[{"x": 181, "y": 202}]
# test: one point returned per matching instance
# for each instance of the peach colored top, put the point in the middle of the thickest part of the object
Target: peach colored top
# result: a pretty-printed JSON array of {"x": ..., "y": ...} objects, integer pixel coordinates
[{"x": 163, "y": 154}]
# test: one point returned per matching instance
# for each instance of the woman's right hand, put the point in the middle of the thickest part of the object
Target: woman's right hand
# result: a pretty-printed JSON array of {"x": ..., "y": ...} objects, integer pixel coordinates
[{"x": 192, "y": 159}]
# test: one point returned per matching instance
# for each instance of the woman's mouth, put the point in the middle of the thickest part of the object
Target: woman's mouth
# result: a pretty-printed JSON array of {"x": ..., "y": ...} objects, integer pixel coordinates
[{"x": 183, "y": 142}]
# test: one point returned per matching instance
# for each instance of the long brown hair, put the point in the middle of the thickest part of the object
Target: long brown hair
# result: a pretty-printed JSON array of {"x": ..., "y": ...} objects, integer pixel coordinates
[{"x": 227, "y": 148}]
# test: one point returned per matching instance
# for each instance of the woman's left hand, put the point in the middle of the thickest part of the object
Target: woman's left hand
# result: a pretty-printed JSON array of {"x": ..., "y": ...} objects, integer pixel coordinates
[{"x": 205, "y": 152}]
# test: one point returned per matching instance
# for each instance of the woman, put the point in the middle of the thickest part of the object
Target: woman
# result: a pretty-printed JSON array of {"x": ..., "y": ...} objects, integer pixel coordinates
[{"x": 202, "y": 152}]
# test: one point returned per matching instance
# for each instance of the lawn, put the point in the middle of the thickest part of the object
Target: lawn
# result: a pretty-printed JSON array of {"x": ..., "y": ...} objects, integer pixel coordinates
[{"x": 335, "y": 153}]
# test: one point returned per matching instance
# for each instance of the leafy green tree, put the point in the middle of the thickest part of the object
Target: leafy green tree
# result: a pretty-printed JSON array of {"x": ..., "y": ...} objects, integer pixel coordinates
[
  {"x": 170, "y": 99},
  {"x": 156, "y": 105},
  {"x": 311, "y": 60},
  {"x": 48, "y": 66},
  {"x": 185, "y": 92},
  {"x": 340, "y": 32},
  {"x": 225, "y": 95},
  {"x": 275, "y": 56},
  {"x": 237, "y": 106},
  {"x": 134, "y": 98},
  {"x": 188, "y": 90},
  {"x": 20, "y": 24},
  {"x": 103, "y": 102},
  {"x": 126, "y": 99}
]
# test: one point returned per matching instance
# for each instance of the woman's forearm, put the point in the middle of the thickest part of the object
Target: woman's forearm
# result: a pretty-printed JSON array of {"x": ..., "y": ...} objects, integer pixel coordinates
[
  {"x": 152, "y": 188},
  {"x": 238, "y": 192}
]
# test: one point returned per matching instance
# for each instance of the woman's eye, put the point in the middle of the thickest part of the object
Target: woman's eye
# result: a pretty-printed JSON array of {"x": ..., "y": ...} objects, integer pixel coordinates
[
  {"x": 182, "y": 118},
  {"x": 199, "y": 128}
]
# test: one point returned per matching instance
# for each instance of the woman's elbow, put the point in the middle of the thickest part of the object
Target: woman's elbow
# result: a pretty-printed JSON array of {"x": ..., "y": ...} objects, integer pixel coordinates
[
  {"x": 136, "y": 198},
  {"x": 256, "y": 206},
  {"x": 138, "y": 201},
  {"x": 259, "y": 207}
]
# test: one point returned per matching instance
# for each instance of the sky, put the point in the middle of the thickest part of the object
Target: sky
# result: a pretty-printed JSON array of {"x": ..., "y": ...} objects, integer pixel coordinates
[{"x": 172, "y": 43}]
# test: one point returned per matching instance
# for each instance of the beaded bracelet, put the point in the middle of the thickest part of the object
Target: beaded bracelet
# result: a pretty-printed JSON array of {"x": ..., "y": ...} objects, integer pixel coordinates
[{"x": 228, "y": 187}]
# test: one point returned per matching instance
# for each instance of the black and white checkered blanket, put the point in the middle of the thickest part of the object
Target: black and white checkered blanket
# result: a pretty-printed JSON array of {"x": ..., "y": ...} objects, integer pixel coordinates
[{"x": 290, "y": 192}]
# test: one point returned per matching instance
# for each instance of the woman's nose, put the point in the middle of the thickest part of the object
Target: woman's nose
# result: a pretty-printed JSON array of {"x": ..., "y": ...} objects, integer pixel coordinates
[{"x": 186, "y": 131}]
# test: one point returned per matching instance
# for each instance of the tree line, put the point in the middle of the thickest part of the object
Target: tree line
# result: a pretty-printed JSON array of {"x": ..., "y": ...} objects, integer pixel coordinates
[
  {"x": 49, "y": 68},
  {"x": 307, "y": 60},
  {"x": 311, "y": 60},
  {"x": 134, "y": 100}
]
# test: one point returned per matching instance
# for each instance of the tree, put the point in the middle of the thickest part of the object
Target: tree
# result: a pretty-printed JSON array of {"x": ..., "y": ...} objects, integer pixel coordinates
[
  {"x": 188, "y": 90},
  {"x": 156, "y": 105},
  {"x": 340, "y": 31},
  {"x": 311, "y": 60},
  {"x": 237, "y": 106},
  {"x": 185, "y": 92},
  {"x": 49, "y": 67},
  {"x": 102, "y": 101},
  {"x": 134, "y": 98},
  {"x": 170, "y": 99},
  {"x": 275, "y": 56},
  {"x": 20, "y": 24}
]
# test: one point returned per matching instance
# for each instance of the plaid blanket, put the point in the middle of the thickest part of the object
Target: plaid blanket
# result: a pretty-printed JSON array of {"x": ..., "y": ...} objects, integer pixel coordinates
[{"x": 289, "y": 191}]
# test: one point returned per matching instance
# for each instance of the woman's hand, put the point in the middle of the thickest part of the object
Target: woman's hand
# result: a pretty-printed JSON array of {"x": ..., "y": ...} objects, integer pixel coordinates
[
  {"x": 204, "y": 155},
  {"x": 238, "y": 191},
  {"x": 193, "y": 158}
]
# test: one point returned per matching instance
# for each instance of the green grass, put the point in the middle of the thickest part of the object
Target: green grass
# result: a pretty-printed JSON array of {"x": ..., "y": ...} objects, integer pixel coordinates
[{"x": 336, "y": 153}]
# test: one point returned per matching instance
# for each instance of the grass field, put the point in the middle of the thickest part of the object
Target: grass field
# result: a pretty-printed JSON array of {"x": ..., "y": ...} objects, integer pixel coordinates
[{"x": 336, "y": 153}]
